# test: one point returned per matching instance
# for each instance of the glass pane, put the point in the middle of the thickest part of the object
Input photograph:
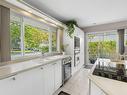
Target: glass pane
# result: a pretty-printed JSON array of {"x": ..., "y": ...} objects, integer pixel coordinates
[
  {"x": 54, "y": 41},
  {"x": 109, "y": 45},
  {"x": 94, "y": 47},
  {"x": 36, "y": 40},
  {"x": 125, "y": 36},
  {"x": 101, "y": 45},
  {"x": 15, "y": 33}
]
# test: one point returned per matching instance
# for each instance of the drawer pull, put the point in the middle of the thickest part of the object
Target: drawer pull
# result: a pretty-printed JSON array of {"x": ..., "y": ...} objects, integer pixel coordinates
[
  {"x": 41, "y": 68},
  {"x": 13, "y": 78}
]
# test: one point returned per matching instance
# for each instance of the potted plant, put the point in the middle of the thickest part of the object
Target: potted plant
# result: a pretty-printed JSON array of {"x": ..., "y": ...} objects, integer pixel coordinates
[
  {"x": 70, "y": 27},
  {"x": 63, "y": 47}
]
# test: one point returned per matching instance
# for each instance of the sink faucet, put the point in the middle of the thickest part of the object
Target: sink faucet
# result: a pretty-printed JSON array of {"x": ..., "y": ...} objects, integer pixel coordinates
[{"x": 42, "y": 54}]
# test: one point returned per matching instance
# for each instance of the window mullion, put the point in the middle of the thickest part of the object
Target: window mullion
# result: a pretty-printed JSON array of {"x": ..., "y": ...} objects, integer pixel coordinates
[
  {"x": 22, "y": 37},
  {"x": 50, "y": 42},
  {"x": 58, "y": 39}
]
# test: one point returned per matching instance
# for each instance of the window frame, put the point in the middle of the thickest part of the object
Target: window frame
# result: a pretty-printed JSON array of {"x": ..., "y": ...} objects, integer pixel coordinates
[
  {"x": 102, "y": 33},
  {"x": 125, "y": 37},
  {"x": 23, "y": 22}
]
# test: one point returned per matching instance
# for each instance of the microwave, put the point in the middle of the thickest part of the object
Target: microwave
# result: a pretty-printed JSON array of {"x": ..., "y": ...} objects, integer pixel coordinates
[{"x": 76, "y": 42}]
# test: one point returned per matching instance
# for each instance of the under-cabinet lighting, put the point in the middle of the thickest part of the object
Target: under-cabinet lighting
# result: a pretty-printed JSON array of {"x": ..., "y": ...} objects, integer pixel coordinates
[
  {"x": 30, "y": 11},
  {"x": 26, "y": 13},
  {"x": 40, "y": 19}
]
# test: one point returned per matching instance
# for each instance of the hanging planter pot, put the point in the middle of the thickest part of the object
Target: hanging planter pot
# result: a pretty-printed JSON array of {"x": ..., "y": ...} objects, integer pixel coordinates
[{"x": 71, "y": 27}]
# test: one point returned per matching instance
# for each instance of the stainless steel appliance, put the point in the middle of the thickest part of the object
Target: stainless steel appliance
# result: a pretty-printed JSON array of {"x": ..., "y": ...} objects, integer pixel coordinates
[
  {"x": 66, "y": 68},
  {"x": 76, "y": 57},
  {"x": 76, "y": 42},
  {"x": 76, "y": 51}
]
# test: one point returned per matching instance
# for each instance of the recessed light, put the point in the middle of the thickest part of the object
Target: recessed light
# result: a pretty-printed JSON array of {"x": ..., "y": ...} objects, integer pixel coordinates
[{"x": 30, "y": 11}]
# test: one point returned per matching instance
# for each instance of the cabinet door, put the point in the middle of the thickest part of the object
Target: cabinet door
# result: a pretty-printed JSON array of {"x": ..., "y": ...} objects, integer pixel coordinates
[
  {"x": 96, "y": 90},
  {"x": 30, "y": 82},
  {"x": 8, "y": 86},
  {"x": 49, "y": 79},
  {"x": 58, "y": 74}
]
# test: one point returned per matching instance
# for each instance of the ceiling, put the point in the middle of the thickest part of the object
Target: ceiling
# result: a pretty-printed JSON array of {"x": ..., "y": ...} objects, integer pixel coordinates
[{"x": 85, "y": 12}]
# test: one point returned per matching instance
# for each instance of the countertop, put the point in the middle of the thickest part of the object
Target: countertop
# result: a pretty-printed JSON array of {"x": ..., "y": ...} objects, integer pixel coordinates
[
  {"x": 18, "y": 66},
  {"x": 109, "y": 86}
]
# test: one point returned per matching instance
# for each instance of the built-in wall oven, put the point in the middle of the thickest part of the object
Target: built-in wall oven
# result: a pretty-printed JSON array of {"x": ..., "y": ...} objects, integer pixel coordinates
[
  {"x": 66, "y": 68},
  {"x": 76, "y": 42},
  {"x": 76, "y": 51}
]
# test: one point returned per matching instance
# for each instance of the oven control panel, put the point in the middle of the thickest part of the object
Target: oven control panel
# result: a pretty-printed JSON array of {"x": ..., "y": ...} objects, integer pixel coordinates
[{"x": 67, "y": 60}]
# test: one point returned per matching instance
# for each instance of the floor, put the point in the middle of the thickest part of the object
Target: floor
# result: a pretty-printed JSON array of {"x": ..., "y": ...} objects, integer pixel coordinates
[{"x": 77, "y": 84}]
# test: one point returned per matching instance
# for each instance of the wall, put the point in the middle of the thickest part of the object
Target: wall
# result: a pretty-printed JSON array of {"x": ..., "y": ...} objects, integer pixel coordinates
[
  {"x": 106, "y": 27},
  {"x": 4, "y": 34},
  {"x": 70, "y": 49}
]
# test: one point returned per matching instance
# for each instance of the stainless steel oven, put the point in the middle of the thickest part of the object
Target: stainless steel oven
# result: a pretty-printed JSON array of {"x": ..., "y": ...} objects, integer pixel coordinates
[
  {"x": 66, "y": 69},
  {"x": 76, "y": 50},
  {"x": 76, "y": 42}
]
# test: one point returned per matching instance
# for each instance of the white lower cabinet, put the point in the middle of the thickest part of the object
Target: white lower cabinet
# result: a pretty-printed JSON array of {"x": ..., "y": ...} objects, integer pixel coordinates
[
  {"x": 95, "y": 90},
  {"x": 26, "y": 83},
  {"x": 31, "y": 82},
  {"x": 53, "y": 77},
  {"x": 58, "y": 74},
  {"x": 8, "y": 86},
  {"x": 39, "y": 81},
  {"x": 49, "y": 80}
]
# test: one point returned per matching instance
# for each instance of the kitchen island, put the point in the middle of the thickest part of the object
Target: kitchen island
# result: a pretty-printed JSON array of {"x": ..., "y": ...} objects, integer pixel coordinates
[{"x": 99, "y": 85}]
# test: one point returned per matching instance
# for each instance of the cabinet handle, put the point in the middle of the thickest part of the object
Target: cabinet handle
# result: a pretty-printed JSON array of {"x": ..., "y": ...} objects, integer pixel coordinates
[
  {"x": 13, "y": 78},
  {"x": 41, "y": 68}
]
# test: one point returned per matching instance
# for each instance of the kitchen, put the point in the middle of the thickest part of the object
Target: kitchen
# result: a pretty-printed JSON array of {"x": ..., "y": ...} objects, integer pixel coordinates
[
  {"x": 35, "y": 65},
  {"x": 45, "y": 54}
]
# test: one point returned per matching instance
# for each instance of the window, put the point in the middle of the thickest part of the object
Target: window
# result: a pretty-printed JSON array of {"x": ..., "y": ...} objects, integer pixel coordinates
[
  {"x": 30, "y": 39},
  {"x": 125, "y": 37},
  {"x": 101, "y": 45},
  {"x": 36, "y": 40},
  {"x": 15, "y": 32}
]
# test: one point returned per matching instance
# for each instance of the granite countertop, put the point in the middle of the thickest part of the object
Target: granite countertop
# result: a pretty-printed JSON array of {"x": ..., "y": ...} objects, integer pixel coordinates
[
  {"x": 18, "y": 66},
  {"x": 109, "y": 86}
]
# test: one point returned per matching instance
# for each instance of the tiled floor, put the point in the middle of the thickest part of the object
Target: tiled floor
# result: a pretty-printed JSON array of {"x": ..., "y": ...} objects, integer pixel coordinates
[{"x": 77, "y": 85}]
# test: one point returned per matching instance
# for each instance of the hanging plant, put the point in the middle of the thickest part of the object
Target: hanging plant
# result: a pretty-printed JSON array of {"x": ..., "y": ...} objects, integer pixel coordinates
[{"x": 70, "y": 27}]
